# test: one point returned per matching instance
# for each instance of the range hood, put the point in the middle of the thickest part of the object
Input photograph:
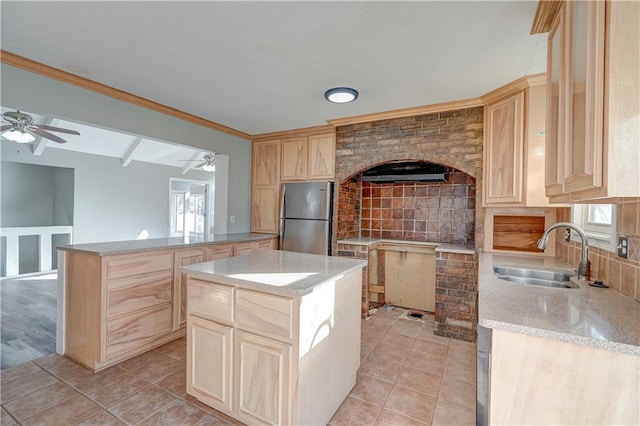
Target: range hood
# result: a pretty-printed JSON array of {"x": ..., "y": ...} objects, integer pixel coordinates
[{"x": 406, "y": 171}]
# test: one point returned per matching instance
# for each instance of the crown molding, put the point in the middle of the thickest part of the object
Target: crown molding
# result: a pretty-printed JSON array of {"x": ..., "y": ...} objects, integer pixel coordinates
[
  {"x": 407, "y": 112},
  {"x": 545, "y": 14},
  {"x": 30, "y": 65}
]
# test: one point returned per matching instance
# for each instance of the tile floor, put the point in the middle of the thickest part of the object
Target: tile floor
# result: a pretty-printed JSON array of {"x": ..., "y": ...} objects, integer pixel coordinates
[{"x": 408, "y": 377}]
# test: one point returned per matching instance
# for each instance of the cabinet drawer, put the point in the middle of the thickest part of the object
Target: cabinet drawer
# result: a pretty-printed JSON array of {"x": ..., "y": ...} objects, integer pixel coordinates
[
  {"x": 218, "y": 251},
  {"x": 130, "y": 265},
  {"x": 244, "y": 248},
  {"x": 210, "y": 300},
  {"x": 264, "y": 314},
  {"x": 133, "y": 331},
  {"x": 133, "y": 294},
  {"x": 267, "y": 244}
]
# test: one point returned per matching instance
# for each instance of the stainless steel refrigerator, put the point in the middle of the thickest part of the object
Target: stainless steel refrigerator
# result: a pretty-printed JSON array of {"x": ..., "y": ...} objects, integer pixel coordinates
[{"x": 305, "y": 217}]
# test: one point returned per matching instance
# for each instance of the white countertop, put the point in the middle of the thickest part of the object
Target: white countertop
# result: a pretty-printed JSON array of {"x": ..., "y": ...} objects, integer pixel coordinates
[
  {"x": 275, "y": 271},
  {"x": 443, "y": 247},
  {"x": 601, "y": 318},
  {"x": 135, "y": 246}
]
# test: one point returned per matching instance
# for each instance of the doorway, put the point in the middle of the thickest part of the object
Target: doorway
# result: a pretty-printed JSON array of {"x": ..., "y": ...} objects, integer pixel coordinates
[{"x": 189, "y": 208}]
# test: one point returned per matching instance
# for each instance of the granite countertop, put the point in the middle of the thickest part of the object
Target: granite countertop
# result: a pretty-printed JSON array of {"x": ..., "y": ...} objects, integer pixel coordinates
[
  {"x": 275, "y": 271},
  {"x": 600, "y": 318},
  {"x": 135, "y": 246},
  {"x": 440, "y": 247}
]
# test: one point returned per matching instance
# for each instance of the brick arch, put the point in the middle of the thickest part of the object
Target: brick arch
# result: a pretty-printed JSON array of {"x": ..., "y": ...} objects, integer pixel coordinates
[{"x": 444, "y": 162}]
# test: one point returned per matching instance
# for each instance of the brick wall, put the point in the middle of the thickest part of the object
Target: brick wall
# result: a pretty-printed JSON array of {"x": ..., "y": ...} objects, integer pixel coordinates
[
  {"x": 452, "y": 139},
  {"x": 620, "y": 274},
  {"x": 457, "y": 295}
]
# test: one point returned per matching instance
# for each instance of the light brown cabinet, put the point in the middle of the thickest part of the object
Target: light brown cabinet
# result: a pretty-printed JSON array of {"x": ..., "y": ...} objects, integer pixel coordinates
[
  {"x": 504, "y": 151},
  {"x": 209, "y": 376},
  {"x": 118, "y": 306},
  {"x": 294, "y": 157},
  {"x": 593, "y": 66},
  {"x": 183, "y": 258},
  {"x": 531, "y": 378},
  {"x": 308, "y": 158},
  {"x": 265, "y": 192},
  {"x": 514, "y": 149},
  {"x": 264, "y": 358}
]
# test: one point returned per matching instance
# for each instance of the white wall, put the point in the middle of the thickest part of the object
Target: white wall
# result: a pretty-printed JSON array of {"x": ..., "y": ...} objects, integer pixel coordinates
[
  {"x": 31, "y": 92},
  {"x": 111, "y": 202}
]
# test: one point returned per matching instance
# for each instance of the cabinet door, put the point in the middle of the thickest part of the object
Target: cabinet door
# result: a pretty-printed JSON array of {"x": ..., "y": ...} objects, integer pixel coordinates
[
  {"x": 555, "y": 123},
  {"x": 504, "y": 151},
  {"x": 266, "y": 163},
  {"x": 263, "y": 380},
  {"x": 183, "y": 258},
  {"x": 583, "y": 159},
  {"x": 294, "y": 159},
  {"x": 210, "y": 362},
  {"x": 218, "y": 251},
  {"x": 322, "y": 150},
  {"x": 265, "y": 210}
]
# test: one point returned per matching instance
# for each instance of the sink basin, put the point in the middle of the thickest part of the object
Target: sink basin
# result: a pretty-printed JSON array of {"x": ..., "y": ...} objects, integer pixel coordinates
[{"x": 541, "y": 277}]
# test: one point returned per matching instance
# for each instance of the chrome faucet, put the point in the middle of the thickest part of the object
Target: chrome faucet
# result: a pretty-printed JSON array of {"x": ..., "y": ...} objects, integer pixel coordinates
[{"x": 584, "y": 268}]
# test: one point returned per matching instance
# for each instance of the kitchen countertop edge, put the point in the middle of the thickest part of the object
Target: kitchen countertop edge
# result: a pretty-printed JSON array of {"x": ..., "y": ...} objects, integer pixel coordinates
[
  {"x": 440, "y": 247},
  {"x": 254, "y": 263},
  {"x": 111, "y": 248}
]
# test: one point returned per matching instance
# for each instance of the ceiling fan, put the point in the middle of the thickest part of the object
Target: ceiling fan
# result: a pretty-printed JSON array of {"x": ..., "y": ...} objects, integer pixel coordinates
[
  {"x": 21, "y": 129},
  {"x": 208, "y": 163}
]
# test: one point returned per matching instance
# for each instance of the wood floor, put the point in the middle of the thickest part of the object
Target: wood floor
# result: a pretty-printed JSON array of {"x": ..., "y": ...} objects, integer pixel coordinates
[{"x": 28, "y": 318}]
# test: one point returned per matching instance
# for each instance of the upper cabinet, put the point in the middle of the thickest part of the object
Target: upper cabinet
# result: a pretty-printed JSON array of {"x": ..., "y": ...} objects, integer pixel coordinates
[
  {"x": 593, "y": 102},
  {"x": 308, "y": 158},
  {"x": 514, "y": 144},
  {"x": 266, "y": 186},
  {"x": 293, "y": 157}
]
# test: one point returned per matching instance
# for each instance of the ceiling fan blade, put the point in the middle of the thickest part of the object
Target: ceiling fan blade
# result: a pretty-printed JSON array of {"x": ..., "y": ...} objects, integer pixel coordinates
[
  {"x": 56, "y": 129},
  {"x": 45, "y": 134},
  {"x": 6, "y": 127},
  {"x": 200, "y": 165}
]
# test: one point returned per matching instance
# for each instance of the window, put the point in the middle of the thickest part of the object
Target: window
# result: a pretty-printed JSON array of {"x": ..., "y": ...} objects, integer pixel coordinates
[{"x": 598, "y": 222}]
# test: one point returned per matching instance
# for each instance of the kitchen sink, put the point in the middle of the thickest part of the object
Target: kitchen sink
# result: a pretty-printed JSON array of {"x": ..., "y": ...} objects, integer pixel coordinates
[{"x": 541, "y": 277}]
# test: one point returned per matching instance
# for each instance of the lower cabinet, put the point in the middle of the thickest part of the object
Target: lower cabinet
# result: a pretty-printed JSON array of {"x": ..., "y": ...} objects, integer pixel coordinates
[
  {"x": 263, "y": 375},
  {"x": 183, "y": 258},
  {"x": 265, "y": 358},
  {"x": 209, "y": 372}
]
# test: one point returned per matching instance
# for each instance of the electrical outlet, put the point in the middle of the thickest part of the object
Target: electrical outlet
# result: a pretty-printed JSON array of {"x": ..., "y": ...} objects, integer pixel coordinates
[
  {"x": 232, "y": 218},
  {"x": 567, "y": 234},
  {"x": 623, "y": 246}
]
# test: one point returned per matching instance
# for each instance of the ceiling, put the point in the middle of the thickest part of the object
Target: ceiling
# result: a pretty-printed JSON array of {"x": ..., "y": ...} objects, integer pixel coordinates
[
  {"x": 261, "y": 67},
  {"x": 109, "y": 143}
]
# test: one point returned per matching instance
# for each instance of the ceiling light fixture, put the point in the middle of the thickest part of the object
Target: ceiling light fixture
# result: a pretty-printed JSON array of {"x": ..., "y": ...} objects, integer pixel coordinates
[
  {"x": 18, "y": 136},
  {"x": 209, "y": 167},
  {"x": 341, "y": 95}
]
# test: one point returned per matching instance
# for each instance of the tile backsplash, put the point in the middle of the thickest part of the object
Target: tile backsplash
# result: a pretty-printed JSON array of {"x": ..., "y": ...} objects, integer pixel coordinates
[
  {"x": 436, "y": 212},
  {"x": 620, "y": 274}
]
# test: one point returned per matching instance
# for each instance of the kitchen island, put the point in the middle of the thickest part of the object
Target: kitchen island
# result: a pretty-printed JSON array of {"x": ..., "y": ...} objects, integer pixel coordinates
[
  {"x": 120, "y": 299},
  {"x": 274, "y": 337},
  {"x": 557, "y": 355}
]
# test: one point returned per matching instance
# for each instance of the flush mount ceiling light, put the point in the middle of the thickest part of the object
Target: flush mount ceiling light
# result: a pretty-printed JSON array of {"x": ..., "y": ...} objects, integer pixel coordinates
[{"x": 341, "y": 95}]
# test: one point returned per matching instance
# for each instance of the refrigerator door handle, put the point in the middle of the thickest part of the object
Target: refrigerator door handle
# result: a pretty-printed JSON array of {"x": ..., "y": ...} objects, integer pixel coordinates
[
  {"x": 282, "y": 216},
  {"x": 282, "y": 212}
]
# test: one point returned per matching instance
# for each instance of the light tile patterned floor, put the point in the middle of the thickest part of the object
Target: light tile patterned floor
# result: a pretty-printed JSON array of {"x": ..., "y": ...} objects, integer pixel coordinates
[{"x": 408, "y": 377}]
